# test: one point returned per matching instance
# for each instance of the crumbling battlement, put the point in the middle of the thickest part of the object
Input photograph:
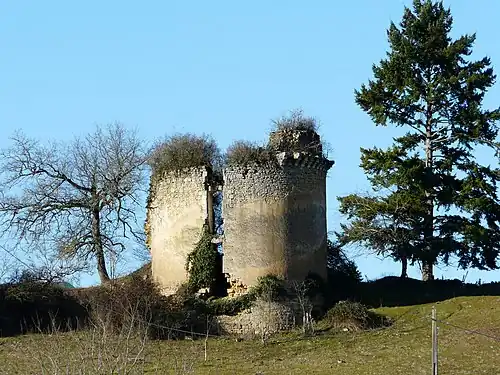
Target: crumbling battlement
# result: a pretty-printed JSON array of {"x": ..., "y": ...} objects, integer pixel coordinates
[{"x": 304, "y": 141}]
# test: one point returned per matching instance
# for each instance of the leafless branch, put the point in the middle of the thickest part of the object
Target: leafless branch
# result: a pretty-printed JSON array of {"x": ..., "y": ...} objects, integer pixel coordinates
[{"x": 80, "y": 195}]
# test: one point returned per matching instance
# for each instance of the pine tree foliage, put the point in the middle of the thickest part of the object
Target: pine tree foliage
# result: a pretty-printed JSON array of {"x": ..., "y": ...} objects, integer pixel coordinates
[
  {"x": 388, "y": 225},
  {"x": 429, "y": 85}
]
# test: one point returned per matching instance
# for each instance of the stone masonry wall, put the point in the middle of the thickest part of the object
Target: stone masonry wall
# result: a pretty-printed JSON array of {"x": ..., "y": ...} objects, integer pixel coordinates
[
  {"x": 176, "y": 215},
  {"x": 262, "y": 318},
  {"x": 275, "y": 218}
]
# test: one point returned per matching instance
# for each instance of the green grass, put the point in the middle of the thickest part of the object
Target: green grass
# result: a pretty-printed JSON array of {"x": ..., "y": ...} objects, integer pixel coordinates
[{"x": 403, "y": 348}]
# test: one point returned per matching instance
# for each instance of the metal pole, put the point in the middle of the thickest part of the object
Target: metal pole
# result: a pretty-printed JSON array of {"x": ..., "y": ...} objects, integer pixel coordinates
[{"x": 434, "y": 342}]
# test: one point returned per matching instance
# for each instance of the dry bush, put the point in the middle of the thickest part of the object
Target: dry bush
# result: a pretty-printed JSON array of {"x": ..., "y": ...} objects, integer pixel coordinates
[
  {"x": 245, "y": 153},
  {"x": 181, "y": 151},
  {"x": 138, "y": 299},
  {"x": 133, "y": 301},
  {"x": 304, "y": 304},
  {"x": 98, "y": 350},
  {"x": 295, "y": 121},
  {"x": 93, "y": 351},
  {"x": 296, "y": 133},
  {"x": 354, "y": 316},
  {"x": 105, "y": 349}
]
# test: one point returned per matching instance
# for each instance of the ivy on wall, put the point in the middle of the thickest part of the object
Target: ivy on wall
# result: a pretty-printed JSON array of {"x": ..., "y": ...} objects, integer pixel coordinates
[{"x": 201, "y": 263}]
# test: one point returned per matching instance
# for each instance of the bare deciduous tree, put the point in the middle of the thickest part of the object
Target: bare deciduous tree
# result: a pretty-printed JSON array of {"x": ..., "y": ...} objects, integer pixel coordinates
[
  {"x": 300, "y": 289},
  {"x": 79, "y": 195},
  {"x": 7, "y": 265}
]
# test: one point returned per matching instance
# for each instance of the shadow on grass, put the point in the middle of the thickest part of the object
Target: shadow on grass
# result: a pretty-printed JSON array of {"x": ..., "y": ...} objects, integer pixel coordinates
[{"x": 394, "y": 291}]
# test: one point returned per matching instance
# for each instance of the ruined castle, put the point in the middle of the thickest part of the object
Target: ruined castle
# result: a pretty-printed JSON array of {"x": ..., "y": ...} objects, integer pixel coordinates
[{"x": 274, "y": 215}]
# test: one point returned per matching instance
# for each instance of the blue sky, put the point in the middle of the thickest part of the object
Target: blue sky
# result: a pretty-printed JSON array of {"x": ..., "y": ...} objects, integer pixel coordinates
[{"x": 220, "y": 67}]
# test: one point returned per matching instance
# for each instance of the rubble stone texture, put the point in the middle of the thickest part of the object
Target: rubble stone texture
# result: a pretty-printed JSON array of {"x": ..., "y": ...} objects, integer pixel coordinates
[
  {"x": 275, "y": 219},
  {"x": 264, "y": 317},
  {"x": 176, "y": 215}
]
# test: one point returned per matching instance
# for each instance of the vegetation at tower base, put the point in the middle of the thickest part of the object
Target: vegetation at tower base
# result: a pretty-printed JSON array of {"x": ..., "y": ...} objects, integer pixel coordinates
[
  {"x": 428, "y": 85},
  {"x": 202, "y": 263},
  {"x": 401, "y": 348},
  {"x": 268, "y": 288}
]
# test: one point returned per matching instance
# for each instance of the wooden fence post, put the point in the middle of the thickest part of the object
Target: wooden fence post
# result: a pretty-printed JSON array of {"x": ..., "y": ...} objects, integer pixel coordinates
[{"x": 434, "y": 342}]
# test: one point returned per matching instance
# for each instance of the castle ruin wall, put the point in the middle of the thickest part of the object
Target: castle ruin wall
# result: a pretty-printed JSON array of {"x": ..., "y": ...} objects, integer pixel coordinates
[
  {"x": 177, "y": 213},
  {"x": 275, "y": 218}
]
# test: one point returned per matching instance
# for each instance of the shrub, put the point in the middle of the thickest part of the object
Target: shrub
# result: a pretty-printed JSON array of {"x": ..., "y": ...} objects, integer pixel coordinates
[
  {"x": 295, "y": 121},
  {"x": 136, "y": 303},
  {"x": 246, "y": 153},
  {"x": 229, "y": 305},
  {"x": 31, "y": 305},
  {"x": 354, "y": 316},
  {"x": 339, "y": 264},
  {"x": 184, "y": 151},
  {"x": 317, "y": 292},
  {"x": 123, "y": 304},
  {"x": 269, "y": 287},
  {"x": 93, "y": 351},
  {"x": 133, "y": 304},
  {"x": 344, "y": 278}
]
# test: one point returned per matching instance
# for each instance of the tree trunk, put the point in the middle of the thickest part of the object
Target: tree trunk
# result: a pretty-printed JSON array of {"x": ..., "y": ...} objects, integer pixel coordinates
[
  {"x": 428, "y": 257},
  {"x": 404, "y": 267},
  {"x": 427, "y": 270},
  {"x": 98, "y": 247}
]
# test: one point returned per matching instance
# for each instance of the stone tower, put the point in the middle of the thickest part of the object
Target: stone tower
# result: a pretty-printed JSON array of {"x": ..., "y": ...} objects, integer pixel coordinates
[
  {"x": 275, "y": 214},
  {"x": 179, "y": 207}
]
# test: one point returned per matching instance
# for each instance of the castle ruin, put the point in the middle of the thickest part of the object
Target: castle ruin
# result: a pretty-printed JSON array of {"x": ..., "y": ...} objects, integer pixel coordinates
[{"x": 274, "y": 215}]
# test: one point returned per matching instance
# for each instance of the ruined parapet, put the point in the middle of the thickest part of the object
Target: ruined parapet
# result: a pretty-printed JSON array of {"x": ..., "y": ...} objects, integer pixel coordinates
[
  {"x": 306, "y": 141},
  {"x": 275, "y": 214},
  {"x": 177, "y": 211}
]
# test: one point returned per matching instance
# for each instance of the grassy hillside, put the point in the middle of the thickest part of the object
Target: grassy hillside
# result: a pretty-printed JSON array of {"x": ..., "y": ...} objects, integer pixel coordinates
[{"x": 403, "y": 348}]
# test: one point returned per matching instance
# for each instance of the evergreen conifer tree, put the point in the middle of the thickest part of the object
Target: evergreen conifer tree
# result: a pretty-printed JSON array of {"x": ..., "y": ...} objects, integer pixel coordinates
[
  {"x": 429, "y": 85},
  {"x": 388, "y": 225}
]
